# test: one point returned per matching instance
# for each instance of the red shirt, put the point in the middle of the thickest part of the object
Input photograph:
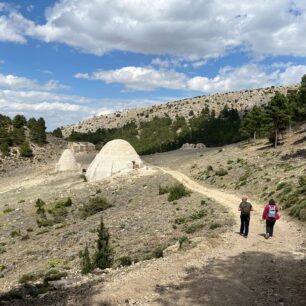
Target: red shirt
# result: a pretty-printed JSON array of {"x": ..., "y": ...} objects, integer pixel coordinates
[{"x": 265, "y": 214}]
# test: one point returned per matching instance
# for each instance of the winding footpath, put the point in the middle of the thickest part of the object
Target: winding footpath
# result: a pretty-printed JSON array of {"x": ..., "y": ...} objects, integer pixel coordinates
[{"x": 236, "y": 271}]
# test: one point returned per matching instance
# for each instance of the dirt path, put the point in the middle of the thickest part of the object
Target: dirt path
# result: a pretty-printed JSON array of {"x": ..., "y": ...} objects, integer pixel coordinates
[{"x": 239, "y": 271}]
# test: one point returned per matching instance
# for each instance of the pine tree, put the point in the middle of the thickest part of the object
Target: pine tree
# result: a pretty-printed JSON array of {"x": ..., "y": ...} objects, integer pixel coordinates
[
  {"x": 302, "y": 98},
  {"x": 57, "y": 133},
  {"x": 252, "y": 123},
  {"x": 19, "y": 121},
  {"x": 277, "y": 115},
  {"x": 37, "y": 130},
  {"x": 103, "y": 257},
  {"x": 86, "y": 264}
]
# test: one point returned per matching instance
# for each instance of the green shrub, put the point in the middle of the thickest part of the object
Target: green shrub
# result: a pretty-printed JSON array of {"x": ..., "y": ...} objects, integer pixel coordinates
[
  {"x": 53, "y": 275},
  {"x": 198, "y": 214},
  {"x": 94, "y": 206},
  {"x": 39, "y": 204},
  {"x": 194, "y": 227},
  {"x": 25, "y": 237},
  {"x": 29, "y": 277},
  {"x": 245, "y": 176},
  {"x": 125, "y": 261},
  {"x": 180, "y": 220},
  {"x": 214, "y": 225},
  {"x": 44, "y": 222},
  {"x": 209, "y": 168},
  {"x": 7, "y": 210},
  {"x": 25, "y": 150},
  {"x": 163, "y": 190},
  {"x": 281, "y": 185},
  {"x": 203, "y": 202},
  {"x": 83, "y": 177},
  {"x": 63, "y": 203},
  {"x": 56, "y": 263},
  {"x": 158, "y": 252},
  {"x": 177, "y": 191},
  {"x": 86, "y": 263},
  {"x": 15, "y": 233},
  {"x": 183, "y": 240},
  {"x": 221, "y": 172}
]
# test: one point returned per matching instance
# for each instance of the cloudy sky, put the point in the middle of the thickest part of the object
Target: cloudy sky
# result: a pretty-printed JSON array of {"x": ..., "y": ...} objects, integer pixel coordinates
[{"x": 67, "y": 60}]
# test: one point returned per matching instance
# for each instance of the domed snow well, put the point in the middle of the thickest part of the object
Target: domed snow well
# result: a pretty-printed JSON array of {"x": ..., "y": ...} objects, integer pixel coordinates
[
  {"x": 67, "y": 162},
  {"x": 116, "y": 156}
]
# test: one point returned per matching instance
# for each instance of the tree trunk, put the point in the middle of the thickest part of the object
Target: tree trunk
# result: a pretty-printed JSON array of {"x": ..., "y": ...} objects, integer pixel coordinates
[
  {"x": 254, "y": 137},
  {"x": 276, "y": 138}
]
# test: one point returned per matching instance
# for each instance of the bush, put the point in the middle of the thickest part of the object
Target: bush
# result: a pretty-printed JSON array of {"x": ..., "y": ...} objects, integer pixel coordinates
[
  {"x": 94, "y": 206},
  {"x": 214, "y": 225},
  {"x": 180, "y": 220},
  {"x": 221, "y": 172},
  {"x": 63, "y": 203},
  {"x": 7, "y": 210},
  {"x": 25, "y": 150},
  {"x": 53, "y": 275},
  {"x": 29, "y": 277},
  {"x": 5, "y": 149},
  {"x": 86, "y": 264},
  {"x": 198, "y": 214},
  {"x": 125, "y": 261},
  {"x": 183, "y": 240},
  {"x": 178, "y": 191},
  {"x": 194, "y": 227},
  {"x": 158, "y": 252},
  {"x": 163, "y": 190}
]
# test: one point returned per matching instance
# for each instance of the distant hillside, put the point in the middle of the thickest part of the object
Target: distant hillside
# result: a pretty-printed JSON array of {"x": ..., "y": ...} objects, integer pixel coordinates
[{"x": 240, "y": 100}]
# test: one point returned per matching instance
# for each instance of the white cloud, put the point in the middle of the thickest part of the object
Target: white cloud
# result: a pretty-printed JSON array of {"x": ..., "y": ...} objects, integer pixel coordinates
[
  {"x": 139, "y": 78},
  {"x": 194, "y": 30},
  {"x": 227, "y": 79},
  {"x": 13, "y": 81},
  {"x": 191, "y": 29}
]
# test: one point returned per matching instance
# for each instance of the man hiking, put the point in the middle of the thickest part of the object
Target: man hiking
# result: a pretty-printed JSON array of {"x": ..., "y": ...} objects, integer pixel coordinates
[{"x": 245, "y": 209}]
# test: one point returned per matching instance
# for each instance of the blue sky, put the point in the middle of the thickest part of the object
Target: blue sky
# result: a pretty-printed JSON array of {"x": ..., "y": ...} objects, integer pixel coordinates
[{"x": 73, "y": 59}]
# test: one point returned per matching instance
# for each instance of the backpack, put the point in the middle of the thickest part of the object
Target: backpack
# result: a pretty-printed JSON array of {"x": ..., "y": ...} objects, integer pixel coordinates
[
  {"x": 246, "y": 208},
  {"x": 272, "y": 212}
]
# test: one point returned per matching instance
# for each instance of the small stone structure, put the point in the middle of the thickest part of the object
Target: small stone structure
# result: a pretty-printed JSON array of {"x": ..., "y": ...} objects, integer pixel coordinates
[
  {"x": 188, "y": 146},
  {"x": 117, "y": 156},
  {"x": 67, "y": 162},
  {"x": 81, "y": 147}
]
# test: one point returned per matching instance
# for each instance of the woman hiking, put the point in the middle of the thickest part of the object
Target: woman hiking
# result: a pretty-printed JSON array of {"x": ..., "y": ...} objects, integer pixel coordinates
[{"x": 270, "y": 214}]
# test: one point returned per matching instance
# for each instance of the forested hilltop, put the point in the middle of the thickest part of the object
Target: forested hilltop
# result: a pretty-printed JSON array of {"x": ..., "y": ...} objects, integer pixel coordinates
[
  {"x": 241, "y": 100},
  {"x": 229, "y": 125}
]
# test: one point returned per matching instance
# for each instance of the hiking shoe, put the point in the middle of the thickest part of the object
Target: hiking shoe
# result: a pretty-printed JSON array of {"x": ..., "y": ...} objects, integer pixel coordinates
[{"x": 267, "y": 235}]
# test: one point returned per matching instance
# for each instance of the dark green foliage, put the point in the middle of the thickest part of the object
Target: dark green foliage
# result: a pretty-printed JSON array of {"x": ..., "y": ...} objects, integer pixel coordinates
[
  {"x": 277, "y": 115},
  {"x": 221, "y": 172},
  {"x": 15, "y": 233},
  {"x": 66, "y": 202},
  {"x": 214, "y": 225},
  {"x": 125, "y": 261},
  {"x": 183, "y": 240},
  {"x": 19, "y": 121},
  {"x": 17, "y": 136},
  {"x": 25, "y": 150},
  {"x": 158, "y": 252},
  {"x": 175, "y": 191},
  {"x": 30, "y": 277},
  {"x": 180, "y": 220},
  {"x": 37, "y": 130},
  {"x": 194, "y": 227},
  {"x": 53, "y": 275},
  {"x": 252, "y": 123},
  {"x": 86, "y": 264},
  {"x": 103, "y": 257},
  {"x": 94, "y": 206},
  {"x": 5, "y": 149},
  {"x": 5, "y": 121},
  {"x": 39, "y": 204},
  {"x": 7, "y": 210},
  {"x": 57, "y": 133}
]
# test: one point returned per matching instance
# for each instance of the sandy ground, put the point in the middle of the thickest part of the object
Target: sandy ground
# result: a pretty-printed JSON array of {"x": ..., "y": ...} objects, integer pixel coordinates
[{"x": 239, "y": 271}]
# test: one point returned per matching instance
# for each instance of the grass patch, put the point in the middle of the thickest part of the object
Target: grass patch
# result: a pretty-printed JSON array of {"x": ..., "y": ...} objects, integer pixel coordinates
[
  {"x": 176, "y": 191},
  {"x": 94, "y": 206}
]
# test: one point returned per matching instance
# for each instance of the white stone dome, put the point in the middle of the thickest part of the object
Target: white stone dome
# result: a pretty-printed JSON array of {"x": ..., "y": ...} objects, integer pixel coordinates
[
  {"x": 67, "y": 162},
  {"x": 116, "y": 156}
]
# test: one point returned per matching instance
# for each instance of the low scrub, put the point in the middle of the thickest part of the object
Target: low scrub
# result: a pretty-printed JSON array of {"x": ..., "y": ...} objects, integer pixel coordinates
[
  {"x": 176, "y": 191},
  {"x": 94, "y": 206}
]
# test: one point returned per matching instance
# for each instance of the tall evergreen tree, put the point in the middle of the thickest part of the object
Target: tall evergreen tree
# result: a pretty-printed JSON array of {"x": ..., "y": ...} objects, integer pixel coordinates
[
  {"x": 19, "y": 121},
  {"x": 277, "y": 115},
  {"x": 57, "y": 133},
  {"x": 302, "y": 98},
  {"x": 38, "y": 131},
  {"x": 86, "y": 264},
  {"x": 252, "y": 123},
  {"x": 103, "y": 257}
]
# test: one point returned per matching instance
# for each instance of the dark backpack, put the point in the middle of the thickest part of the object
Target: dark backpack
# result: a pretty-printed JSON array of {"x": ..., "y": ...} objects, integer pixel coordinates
[{"x": 246, "y": 208}]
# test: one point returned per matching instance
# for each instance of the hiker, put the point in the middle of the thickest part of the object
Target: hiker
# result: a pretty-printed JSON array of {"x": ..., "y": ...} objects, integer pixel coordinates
[
  {"x": 245, "y": 208},
  {"x": 270, "y": 214}
]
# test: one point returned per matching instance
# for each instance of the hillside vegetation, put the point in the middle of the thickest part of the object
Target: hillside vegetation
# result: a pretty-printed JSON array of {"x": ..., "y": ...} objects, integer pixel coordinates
[{"x": 162, "y": 134}]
